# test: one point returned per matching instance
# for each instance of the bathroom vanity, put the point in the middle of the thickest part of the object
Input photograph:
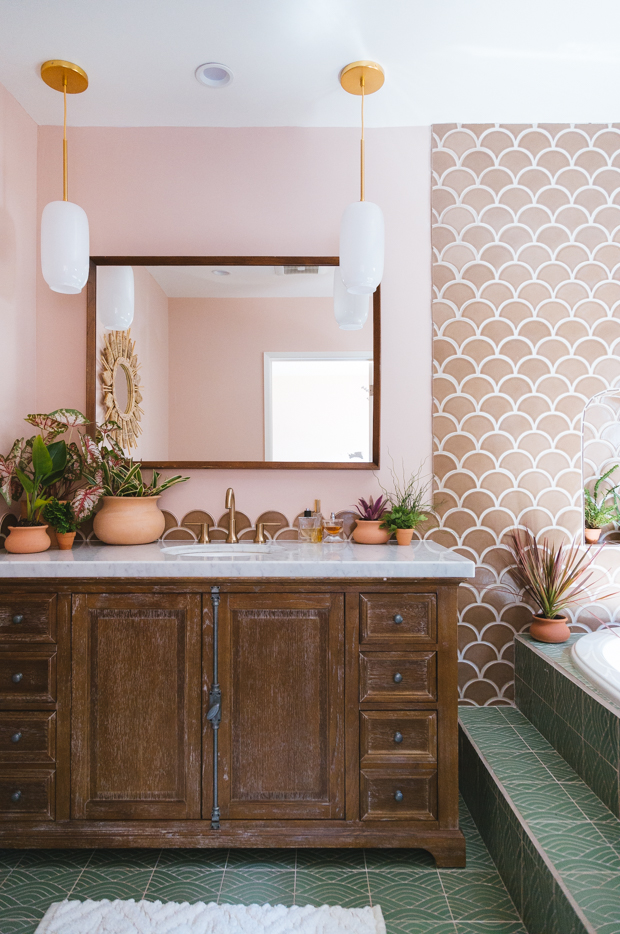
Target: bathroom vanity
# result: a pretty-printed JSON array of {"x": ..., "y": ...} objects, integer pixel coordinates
[{"x": 303, "y": 696}]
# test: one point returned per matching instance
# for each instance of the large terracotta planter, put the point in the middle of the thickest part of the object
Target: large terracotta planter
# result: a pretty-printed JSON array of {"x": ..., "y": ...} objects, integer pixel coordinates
[
  {"x": 27, "y": 539},
  {"x": 129, "y": 520},
  {"x": 65, "y": 540},
  {"x": 592, "y": 536},
  {"x": 367, "y": 532},
  {"x": 404, "y": 536},
  {"x": 549, "y": 630}
]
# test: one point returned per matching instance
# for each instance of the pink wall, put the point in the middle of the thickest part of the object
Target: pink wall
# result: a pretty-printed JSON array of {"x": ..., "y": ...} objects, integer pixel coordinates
[
  {"x": 216, "y": 367},
  {"x": 252, "y": 191},
  {"x": 18, "y": 255}
]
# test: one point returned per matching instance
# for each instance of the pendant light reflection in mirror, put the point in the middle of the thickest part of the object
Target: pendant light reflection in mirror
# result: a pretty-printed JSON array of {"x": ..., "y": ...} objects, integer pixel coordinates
[
  {"x": 65, "y": 246},
  {"x": 362, "y": 233}
]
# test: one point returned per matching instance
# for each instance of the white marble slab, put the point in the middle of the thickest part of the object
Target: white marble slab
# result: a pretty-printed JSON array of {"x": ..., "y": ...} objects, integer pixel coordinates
[{"x": 289, "y": 560}]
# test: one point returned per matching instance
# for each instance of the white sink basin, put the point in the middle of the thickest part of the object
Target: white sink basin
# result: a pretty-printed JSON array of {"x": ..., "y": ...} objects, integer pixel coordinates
[{"x": 220, "y": 550}]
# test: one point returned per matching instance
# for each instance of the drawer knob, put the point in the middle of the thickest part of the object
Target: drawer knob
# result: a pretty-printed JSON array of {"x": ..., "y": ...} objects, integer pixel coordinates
[
  {"x": 398, "y": 737},
  {"x": 398, "y": 796},
  {"x": 16, "y": 678},
  {"x": 16, "y": 796},
  {"x": 398, "y": 619},
  {"x": 18, "y": 618},
  {"x": 15, "y": 738},
  {"x": 397, "y": 677}
]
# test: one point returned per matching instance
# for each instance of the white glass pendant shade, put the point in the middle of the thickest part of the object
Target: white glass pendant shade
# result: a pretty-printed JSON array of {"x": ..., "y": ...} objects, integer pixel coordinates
[
  {"x": 65, "y": 247},
  {"x": 115, "y": 297},
  {"x": 350, "y": 311},
  {"x": 362, "y": 247}
]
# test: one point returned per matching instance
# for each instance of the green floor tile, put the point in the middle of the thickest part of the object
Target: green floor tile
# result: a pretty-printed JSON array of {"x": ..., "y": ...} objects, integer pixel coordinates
[
  {"x": 124, "y": 859},
  {"x": 597, "y": 894},
  {"x": 189, "y": 860},
  {"x": 490, "y": 927},
  {"x": 28, "y": 897},
  {"x": 10, "y": 926},
  {"x": 329, "y": 887},
  {"x": 477, "y": 896},
  {"x": 46, "y": 864},
  {"x": 542, "y": 799},
  {"x": 588, "y": 803},
  {"x": 573, "y": 846},
  {"x": 274, "y": 888},
  {"x": 166, "y": 886},
  {"x": 338, "y": 859},
  {"x": 266, "y": 859},
  {"x": 11, "y": 858},
  {"x": 101, "y": 882},
  {"x": 420, "y": 890},
  {"x": 401, "y": 858},
  {"x": 404, "y": 922}
]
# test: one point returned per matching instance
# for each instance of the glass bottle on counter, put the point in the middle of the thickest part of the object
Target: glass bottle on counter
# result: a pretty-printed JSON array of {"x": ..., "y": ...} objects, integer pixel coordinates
[{"x": 317, "y": 512}]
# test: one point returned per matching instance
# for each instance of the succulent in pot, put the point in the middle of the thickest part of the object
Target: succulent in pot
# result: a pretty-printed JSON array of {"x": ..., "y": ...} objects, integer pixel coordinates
[
  {"x": 598, "y": 512},
  {"x": 368, "y": 529},
  {"x": 61, "y": 517}
]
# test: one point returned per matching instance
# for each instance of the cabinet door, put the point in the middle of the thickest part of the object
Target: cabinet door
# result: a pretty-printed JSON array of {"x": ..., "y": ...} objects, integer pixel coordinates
[
  {"x": 135, "y": 744},
  {"x": 282, "y": 732}
]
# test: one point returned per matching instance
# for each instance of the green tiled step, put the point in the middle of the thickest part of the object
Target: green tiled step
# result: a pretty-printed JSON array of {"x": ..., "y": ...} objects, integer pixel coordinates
[
  {"x": 555, "y": 844},
  {"x": 577, "y": 719}
]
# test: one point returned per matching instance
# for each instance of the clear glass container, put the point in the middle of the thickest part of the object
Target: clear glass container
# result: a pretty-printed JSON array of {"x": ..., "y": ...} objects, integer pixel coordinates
[
  {"x": 333, "y": 530},
  {"x": 310, "y": 529}
]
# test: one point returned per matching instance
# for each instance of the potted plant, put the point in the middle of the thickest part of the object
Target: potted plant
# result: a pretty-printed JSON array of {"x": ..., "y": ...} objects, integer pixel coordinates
[
  {"x": 553, "y": 577},
  {"x": 368, "y": 529},
  {"x": 408, "y": 506},
  {"x": 597, "y": 511},
  {"x": 61, "y": 517},
  {"x": 130, "y": 514},
  {"x": 34, "y": 474}
]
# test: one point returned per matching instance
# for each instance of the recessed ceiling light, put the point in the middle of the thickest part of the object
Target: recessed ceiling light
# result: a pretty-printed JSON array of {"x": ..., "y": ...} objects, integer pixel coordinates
[
  {"x": 220, "y": 272},
  {"x": 214, "y": 75}
]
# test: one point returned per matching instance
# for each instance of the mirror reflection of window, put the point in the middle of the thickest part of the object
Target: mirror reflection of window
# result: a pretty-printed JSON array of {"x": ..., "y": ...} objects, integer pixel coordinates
[
  {"x": 318, "y": 406},
  {"x": 601, "y": 452}
]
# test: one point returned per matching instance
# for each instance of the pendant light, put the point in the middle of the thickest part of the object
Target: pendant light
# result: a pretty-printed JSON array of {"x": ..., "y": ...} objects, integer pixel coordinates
[
  {"x": 65, "y": 250},
  {"x": 362, "y": 229},
  {"x": 350, "y": 311},
  {"x": 115, "y": 297}
]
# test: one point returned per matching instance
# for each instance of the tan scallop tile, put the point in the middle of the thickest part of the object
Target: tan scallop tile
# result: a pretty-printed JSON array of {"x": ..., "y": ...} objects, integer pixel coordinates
[
  {"x": 480, "y": 691},
  {"x": 535, "y": 217},
  {"x": 457, "y": 255},
  {"x": 534, "y": 141},
  {"x": 442, "y": 236},
  {"x": 458, "y": 180},
  {"x": 608, "y": 140},
  {"x": 573, "y": 141},
  {"x": 516, "y": 349},
  {"x": 573, "y": 330},
  {"x": 554, "y": 274},
  {"x": 442, "y": 160},
  {"x": 498, "y": 141},
  {"x": 459, "y": 293},
  {"x": 553, "y": 161},
  {"x": 440, "y": 130},
  {"x": 607, "y": 369},
  {"x": 608, "y": 254},
  {"x": 534, "y": 405},
  {"x": 458, "y": 445},
  {"x": 516, "y": 311},
  {"x": 497, "y": 330},
  {"x": 553, "y": 236},
  {"x": 461, "y": 368},
  {"x": 442, "y": 275},
  {"x": 606, "y": 293},
  {"x": 535, "y": 255},
  {"x": 515, "y": 160},
  {"x": 477, "y": 200},
  {"x": 515, "y": 387},
  {"x": 480, "y": 654},
  {"x": 497, "y": 178},
  {"x": 572, "y": 293},
  {"x": 572, "y": 179},
  {"x": 592, "y": 274},
  {"x": 591, "y": 200},
  {"x": 495, "y": 406},
  {"x": 608, "y": 217},
  {"x": 553, "y": 199},
  {"x": 497, "y": 292},
  {"x": 515, "y": 199},
  {"x": 479, "y": 312},
  {"x": 536, "y": 329},
  {"x": 479, "y": 463},
  {"x": 442, "y": 199},
  {"x": 534, "y": 293},
  {"x": 459, "y": 521},
  {"x": 516, "y": 236},
  {"x": 496, "y": 369},
  {"x": 497, "y": 217},
  {"x": 572, "y": 255},
  {"x": 459, "y": 141},
  {"x": 571, "y": 217},
  {"x": 591, "y": 237},
  {"x": 443, "y": 464},
  {"x": 478, "y": 236},
  {"x": 516, "y": 274},
  {"x": 497, "y": 255}
]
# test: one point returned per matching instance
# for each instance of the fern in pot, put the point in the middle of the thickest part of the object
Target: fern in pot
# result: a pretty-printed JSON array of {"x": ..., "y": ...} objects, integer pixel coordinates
[{"x": 408, "y": 506}]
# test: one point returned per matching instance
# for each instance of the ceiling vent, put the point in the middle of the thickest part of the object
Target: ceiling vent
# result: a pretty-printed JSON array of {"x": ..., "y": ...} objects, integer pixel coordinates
[{"x": 297, "y": 270}]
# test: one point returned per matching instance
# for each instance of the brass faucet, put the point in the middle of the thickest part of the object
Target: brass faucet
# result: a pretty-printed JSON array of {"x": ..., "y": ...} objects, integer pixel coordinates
[{"x": 232, "y": 517}]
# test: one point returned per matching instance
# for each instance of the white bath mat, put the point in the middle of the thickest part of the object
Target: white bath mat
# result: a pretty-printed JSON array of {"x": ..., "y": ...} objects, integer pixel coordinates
[{"x": 131, "y": 917}]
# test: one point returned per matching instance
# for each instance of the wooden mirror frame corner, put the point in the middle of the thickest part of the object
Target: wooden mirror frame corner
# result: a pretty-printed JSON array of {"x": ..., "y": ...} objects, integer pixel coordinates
[{"x": 91, "y": 356}]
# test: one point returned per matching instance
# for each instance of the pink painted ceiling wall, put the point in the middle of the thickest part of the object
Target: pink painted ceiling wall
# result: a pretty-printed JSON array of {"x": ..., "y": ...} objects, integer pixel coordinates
[{"x": 252, "y": 191}]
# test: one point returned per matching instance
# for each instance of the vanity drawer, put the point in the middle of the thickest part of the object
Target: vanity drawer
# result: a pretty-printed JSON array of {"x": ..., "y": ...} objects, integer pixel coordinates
[
  {"x": 397, "y": 677},
  {"x": 401, "y": 619},
  {"x": 27, "y": 736},
  {"x": 398, "y": 735},
  {"x": 27, "y": 617},
  {"x": 27, "y": 794},
  {"x": 27, "y": 676},
  {"x": 387, "y": 794}
]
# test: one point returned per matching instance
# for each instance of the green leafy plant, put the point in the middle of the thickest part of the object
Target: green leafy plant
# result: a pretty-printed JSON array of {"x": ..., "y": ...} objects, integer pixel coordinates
[
  {"x": 553, "y": 576},
  {"x": 60, "y": 516},
  {"x": 598, "y": 512},
  {"x": 111, "y": 473},
  {"x": 47, "y": 464},
  {"x": 409, "y": 505}
]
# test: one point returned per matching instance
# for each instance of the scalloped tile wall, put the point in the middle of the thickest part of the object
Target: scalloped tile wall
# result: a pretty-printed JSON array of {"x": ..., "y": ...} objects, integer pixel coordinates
[{"x": 526, "y": 314}]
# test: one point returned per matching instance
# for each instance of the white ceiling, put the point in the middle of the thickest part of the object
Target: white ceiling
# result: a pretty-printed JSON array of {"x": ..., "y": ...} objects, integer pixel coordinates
[
  {"x": 445, "y": 60},
  {"x": 242, "y": 282}
]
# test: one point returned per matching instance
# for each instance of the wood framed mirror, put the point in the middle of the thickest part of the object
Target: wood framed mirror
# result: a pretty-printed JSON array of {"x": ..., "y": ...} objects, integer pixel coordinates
[{"x": 238, "y": 362}]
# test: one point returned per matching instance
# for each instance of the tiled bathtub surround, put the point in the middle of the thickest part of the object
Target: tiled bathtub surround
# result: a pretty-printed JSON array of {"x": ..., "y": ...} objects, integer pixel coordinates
[
  {"x": 576, "y": 718},
  {"x": 526, "y": 313},
  {"x": 556, "y": 845}
]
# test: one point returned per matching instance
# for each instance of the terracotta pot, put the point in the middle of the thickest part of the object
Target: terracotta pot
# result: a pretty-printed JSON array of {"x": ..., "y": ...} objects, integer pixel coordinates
[
  {"x": 367, "y": 532},
  {"x": 65, "y": 540},
  {"x": 404, "y": 536},
  {"x": 129, "y": 520},
  {"x": 592, "y": 536},
  {"x": 27, "y": 539},
  {"x": 549, "y": 630}
]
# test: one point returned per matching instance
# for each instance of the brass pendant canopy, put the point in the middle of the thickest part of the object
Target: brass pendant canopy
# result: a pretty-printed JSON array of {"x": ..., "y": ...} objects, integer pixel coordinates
[
  {"x": 351, "y": 77},
  {"x": 56, "y": 72}
]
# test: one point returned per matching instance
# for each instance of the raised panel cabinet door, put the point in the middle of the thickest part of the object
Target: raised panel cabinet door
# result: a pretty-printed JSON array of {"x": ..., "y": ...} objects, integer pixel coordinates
[
  {"x": 135, "y": 728},
  {"x": 282, "y": 679}
]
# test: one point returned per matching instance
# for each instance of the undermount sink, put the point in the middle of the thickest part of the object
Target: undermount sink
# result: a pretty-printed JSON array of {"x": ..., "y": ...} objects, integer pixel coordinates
[{"x": 220, "y": 550}]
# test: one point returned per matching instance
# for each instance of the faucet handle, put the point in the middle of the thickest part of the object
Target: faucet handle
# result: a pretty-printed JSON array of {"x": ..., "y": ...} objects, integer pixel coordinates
[
  {"x": 203, "y": 538},
  {"x": 259, "y": 538}
]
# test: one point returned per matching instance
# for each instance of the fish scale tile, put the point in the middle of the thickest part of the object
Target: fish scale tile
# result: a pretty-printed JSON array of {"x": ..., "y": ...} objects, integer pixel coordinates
[
  {"x": 322, "y": 887},
  {"x": 166, "y": 886},
  {"x": 481, "y": 896},
  {"x": 248, "y": 887},
  {"x": 189, "y": 860},
  {"x": 98, "y": 883},
  {"x": 402, "y": 921}
]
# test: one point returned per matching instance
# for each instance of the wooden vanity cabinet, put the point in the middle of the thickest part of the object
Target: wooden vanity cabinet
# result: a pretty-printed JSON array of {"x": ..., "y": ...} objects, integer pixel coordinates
[{"x": 337, "y": 723}]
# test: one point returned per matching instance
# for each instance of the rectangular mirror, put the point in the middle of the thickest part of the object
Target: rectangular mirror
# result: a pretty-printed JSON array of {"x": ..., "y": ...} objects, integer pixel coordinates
[{"x": 232, "y": 362}]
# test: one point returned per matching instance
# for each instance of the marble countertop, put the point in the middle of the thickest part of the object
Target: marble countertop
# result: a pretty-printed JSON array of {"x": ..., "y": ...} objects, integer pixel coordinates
[{"x": 287, "y": 560}]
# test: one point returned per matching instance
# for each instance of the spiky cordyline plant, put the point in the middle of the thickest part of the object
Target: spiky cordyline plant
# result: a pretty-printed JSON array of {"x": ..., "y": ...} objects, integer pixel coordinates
[
  {"x": 372, "y": 510},
  {"x": 553, "y": 576}
]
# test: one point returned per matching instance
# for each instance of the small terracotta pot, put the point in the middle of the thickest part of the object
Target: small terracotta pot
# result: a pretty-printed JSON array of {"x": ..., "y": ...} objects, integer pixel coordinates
[
  {"x": 549, "y": 630},
  {"x": 404, "y": 536},
  {"x": 65, "y": 540},
  {"x": 592, "y": 536},
  {"x": 367, "y": 532},
  {"x": 129, "y": 520},
  {"x": 27, "y": 539}
]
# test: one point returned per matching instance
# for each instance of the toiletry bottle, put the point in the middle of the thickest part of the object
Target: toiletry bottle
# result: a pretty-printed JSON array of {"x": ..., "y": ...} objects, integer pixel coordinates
[
  {"x": 317, "y": 512},
  {"x": 309, "y": 527}
]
